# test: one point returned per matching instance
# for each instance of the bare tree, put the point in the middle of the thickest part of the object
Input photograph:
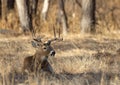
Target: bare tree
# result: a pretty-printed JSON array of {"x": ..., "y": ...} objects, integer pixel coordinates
[
  {"x": 34, "y": 6},
  {"x": 25, "y": 16},
  {"x": 10, "y": 4},
  {"x": 5, "y": 5},
  {"x": 4, "y": 8},
  {"x": 45, "y": 9},
  {"x": 62, "y": 18},
  {"x": 88, "y": 16},
  {"x": 0, "y": 8}
]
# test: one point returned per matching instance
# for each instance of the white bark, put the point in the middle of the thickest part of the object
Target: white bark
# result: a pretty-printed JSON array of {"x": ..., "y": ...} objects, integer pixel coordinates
[
  {"x": 88, "y": 16},
  {"x": 23, "y": 14},
  {"x": 45, "y": 9}
]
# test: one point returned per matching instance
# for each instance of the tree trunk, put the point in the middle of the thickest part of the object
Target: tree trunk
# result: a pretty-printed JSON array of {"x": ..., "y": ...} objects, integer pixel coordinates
[
  {"x": 0, "y": 8},
  {"x": 25, "y": 17},
  {"x": 45, "y": 10},
  {"x": 10, "y": 4},
  {"x": 88, "y": 16},
  {"x": 34, "y": 6},
  {"x": 4, "y": 9},
  {"x": 62, "y": 18}
]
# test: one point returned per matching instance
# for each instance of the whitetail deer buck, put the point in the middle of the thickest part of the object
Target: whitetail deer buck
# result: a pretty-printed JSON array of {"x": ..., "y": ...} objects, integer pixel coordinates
[{"x": 39, "y": 61}]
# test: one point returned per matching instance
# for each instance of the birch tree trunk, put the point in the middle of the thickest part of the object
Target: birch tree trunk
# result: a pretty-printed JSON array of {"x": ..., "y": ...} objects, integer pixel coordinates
[
  {"x": 88, "y": 16},
  {"x": 45, "y": 10},
  {"x": 62, "y": 17},
  {"x": 24, "y": 16}
]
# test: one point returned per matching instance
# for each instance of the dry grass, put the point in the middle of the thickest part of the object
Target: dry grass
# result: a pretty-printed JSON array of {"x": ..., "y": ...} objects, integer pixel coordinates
[
  {"x": 84, "y": 60},
  {"x": 80, "y": 59}
]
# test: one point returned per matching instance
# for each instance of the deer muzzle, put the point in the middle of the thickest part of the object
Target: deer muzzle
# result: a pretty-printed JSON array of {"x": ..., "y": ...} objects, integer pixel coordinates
[{"x": 52, "y": 53}]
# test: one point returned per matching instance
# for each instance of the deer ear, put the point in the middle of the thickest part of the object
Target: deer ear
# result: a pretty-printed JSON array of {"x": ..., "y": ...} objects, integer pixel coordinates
[
  {"x": 49, "y": 42},
  {"x": 34, "y": 44}
]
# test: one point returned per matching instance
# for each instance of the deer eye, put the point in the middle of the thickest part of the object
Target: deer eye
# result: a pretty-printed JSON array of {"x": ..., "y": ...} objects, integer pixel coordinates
[
  {"x": 44, "y": 48},
  {"x": 45, "y": 44}
]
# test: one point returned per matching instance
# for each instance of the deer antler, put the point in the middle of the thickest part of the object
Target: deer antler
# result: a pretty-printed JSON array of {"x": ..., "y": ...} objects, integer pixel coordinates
[
  {"x": 54, "y": 39},
  {"x": 37, "y": 39},
  {"x": 36, "y": 42}
]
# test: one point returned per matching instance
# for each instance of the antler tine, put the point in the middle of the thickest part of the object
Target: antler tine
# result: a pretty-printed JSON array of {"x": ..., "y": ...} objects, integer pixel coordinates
[
  {"x": 49, "y": 41},
  {"x": 37, "y": 39},
  {"x": 36, "y": 42},
  {"x": 55, "y": 39}
]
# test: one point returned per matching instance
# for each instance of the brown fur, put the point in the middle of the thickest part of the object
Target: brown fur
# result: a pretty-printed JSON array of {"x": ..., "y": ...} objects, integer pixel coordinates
[
  {"x": 28, "y": 65},
  {"x": 38, "y": 61}
]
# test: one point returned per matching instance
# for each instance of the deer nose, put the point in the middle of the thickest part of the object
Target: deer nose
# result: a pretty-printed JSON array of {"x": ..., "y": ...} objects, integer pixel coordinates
[{"x": 52, "y": 53}]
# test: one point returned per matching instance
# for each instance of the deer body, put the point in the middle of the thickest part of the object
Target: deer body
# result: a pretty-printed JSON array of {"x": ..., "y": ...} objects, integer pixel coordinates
[
  {"x": 28, "y": 64},
  {"x": 39, "y": 61},
  {"x": 41, "y": 57}
]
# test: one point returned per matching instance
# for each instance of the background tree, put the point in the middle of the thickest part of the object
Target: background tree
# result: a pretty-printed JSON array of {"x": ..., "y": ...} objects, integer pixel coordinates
[
  {"x": 32, "y": 4},
  {"x": 25, "y": 16},
  {"x": 5, "y": 6},
  {"x": 45, "y": 10},
  {"x": 0, "y": 8},
  {"x": 62, "y": 18},
  {"x": 88, "y": 16},
  {"x": 4, "y": 9},
  {"x": 10, "y": 4}
]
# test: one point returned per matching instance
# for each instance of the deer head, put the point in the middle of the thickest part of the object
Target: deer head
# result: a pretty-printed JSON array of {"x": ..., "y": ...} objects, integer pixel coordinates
[{"x": 46, "y": 46}]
